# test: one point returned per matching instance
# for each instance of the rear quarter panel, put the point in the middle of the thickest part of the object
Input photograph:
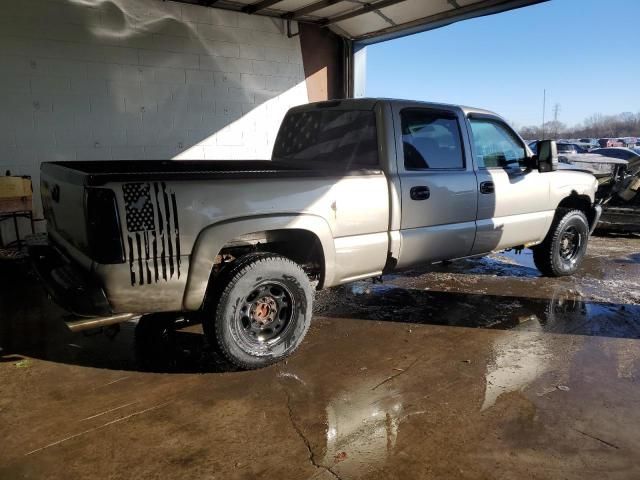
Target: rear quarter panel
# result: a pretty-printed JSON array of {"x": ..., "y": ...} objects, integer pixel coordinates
[{"x": 172, "y": 231}]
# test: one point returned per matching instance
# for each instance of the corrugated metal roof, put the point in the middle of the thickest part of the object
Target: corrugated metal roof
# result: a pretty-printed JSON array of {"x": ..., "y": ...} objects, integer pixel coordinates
[{"x": 371, "y": 21}]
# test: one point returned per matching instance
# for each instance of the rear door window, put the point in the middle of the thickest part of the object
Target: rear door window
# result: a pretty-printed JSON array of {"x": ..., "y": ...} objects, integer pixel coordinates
[{"x": 431, "y": 140}]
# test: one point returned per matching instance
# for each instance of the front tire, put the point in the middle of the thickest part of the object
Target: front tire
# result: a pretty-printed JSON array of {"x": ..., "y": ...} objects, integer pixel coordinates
[
  {"x": 562, "y": 251},
  {"x": 260, "y": 310}
]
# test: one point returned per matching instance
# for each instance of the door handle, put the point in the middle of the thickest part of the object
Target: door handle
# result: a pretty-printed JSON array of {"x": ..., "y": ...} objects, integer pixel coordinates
[
  {"x": 487, "y": 187},
  {"x": 419, "y": 193}
]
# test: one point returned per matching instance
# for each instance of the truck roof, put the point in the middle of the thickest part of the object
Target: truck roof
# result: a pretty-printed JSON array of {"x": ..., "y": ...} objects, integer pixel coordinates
[{"x": 368, "y": 103}]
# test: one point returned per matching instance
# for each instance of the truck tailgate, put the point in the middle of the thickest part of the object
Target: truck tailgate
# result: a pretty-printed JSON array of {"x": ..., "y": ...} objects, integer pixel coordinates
[{"x": 63, "y": 200}]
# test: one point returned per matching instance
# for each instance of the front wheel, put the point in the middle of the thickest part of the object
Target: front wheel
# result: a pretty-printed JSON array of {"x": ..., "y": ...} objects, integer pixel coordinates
[
  {"x": 563, "y": 249},
  {"x": 260, "y": 310}
]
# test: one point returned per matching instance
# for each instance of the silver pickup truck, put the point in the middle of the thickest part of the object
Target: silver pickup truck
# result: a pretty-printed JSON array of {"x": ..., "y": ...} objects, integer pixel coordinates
[{"x": 355, "y": 189}]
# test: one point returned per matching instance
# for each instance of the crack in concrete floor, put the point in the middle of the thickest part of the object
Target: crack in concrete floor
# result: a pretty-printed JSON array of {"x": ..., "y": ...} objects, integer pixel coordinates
[{"x": 303, "y": 437}]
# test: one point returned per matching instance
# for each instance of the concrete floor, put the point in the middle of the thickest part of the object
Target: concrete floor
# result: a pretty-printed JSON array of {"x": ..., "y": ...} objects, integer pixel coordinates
[{"x": 391, "y": 382}]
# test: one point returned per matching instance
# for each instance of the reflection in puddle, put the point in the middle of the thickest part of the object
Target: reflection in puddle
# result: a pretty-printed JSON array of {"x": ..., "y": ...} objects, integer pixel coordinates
[
  {"x": 506, "y": 263},
  {"x": 560, "y": 310},
  {"x": 518, "y": 361},
  {"x": 362, "y": 429}
]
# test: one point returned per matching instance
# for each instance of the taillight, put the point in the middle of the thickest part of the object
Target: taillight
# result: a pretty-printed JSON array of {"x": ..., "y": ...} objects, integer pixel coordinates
[{"x": 103, "y": 226}]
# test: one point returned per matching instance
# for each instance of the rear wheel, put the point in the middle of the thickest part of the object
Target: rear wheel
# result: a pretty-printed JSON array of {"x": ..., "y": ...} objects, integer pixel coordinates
[
  {"x": 563, "y": 249},
  {"x": 260, "y": 310}
]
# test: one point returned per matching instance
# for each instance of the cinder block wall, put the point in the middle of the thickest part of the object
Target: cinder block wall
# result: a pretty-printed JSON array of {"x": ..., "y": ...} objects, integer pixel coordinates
[{"x": 140, "y": 79}]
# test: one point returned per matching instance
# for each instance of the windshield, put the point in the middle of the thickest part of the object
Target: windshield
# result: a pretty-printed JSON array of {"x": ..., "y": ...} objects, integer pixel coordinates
[{"x": 328, "y": 138}]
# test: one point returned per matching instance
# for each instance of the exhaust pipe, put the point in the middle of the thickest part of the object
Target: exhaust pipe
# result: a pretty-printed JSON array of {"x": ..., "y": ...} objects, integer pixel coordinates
[{"x": 78, "y": 325}]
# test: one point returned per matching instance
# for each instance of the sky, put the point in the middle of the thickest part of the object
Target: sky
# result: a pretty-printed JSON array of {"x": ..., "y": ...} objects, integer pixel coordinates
[{"x": 585, "y": 53}]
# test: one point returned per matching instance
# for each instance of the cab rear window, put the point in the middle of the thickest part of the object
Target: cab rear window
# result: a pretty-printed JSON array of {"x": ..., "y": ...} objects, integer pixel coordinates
[{"x": 328, "y": 138}]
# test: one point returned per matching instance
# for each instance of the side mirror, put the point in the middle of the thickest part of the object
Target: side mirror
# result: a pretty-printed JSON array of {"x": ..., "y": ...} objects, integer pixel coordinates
[{"x": 547, "y": 156}]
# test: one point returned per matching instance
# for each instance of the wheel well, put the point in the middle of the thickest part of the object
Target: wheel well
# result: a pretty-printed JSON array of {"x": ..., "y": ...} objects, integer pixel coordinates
[
  {"x": 578, "y": 202},
  {"x": 301, "y": 246}
]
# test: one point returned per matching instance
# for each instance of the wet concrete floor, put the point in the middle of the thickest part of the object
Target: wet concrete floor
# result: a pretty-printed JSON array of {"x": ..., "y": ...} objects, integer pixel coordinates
[{"x": 476, "y": 369}]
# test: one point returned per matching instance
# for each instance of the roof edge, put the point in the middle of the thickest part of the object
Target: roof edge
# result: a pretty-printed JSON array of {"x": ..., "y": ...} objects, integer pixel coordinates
[{"x": 482, "y": 9}]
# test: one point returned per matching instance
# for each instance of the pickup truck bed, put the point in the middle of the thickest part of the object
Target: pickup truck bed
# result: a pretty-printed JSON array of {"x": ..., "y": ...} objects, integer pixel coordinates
[{"x": 90, "y": 173}]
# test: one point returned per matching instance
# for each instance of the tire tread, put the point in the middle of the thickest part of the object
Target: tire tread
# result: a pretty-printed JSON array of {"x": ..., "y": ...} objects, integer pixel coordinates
[
  {"x": 222, "y": 287},
  {"x": 544, "y": 252}
]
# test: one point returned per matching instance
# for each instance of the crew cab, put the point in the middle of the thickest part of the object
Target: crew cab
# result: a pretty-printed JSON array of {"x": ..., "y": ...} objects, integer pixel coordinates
[{"x": 355, "y": 189}]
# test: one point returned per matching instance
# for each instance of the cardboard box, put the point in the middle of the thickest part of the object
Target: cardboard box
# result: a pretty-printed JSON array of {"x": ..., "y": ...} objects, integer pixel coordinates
[{"x": 15, "y": 187}]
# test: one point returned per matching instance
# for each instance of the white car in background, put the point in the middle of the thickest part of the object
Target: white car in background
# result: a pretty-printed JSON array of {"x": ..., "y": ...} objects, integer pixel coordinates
[{"x": 588, "y": 143}]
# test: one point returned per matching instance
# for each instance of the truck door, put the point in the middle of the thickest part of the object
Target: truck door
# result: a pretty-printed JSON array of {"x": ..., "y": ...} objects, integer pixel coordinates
[
  {"x": 438, "y": 185},
  {"x": 513, "y": 201}
]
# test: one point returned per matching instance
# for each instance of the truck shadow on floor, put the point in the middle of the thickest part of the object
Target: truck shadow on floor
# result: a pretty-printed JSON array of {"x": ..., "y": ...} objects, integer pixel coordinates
[
  {"x": 161, "y": 351},
  {"x": 631, "y": 259},
  {"x": 564, "y": 312},
  {"x": 31, "y": 325},
  {"x": 615, "y": 234}
]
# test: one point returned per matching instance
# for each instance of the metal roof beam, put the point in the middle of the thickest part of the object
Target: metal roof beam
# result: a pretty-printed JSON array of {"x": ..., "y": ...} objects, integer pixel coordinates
[
  {"x": 301, "y": 12},
  {"x": 256, "y": 7},
  {"x": 361, "y": 11}
]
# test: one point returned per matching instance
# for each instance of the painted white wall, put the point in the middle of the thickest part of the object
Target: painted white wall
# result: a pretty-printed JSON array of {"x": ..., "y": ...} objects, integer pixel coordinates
[{"x": 140, "y": 79}]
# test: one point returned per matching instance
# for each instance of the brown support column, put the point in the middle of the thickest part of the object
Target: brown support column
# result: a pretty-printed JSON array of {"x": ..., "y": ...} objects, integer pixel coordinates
[{"x": 322, "y": 56}]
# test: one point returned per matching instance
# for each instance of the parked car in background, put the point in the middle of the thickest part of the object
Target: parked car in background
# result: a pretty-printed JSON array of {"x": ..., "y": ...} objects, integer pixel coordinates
[
  {"x": 627, "y": 141},
  {"x": 569, "y": 149},
  {"x": 609, "y": 142},
  {"x": 581, "y": 149},
  {"x": 564, "y": 148},
  {"x": 588, "y": 143},
  {"x": 622, "y": 153}
]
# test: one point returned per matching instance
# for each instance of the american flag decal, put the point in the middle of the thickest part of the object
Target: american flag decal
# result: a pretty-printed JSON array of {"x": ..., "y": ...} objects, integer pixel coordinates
[
  {"x": 153, "y": 232},
  {"x": 138, "y": 207}
]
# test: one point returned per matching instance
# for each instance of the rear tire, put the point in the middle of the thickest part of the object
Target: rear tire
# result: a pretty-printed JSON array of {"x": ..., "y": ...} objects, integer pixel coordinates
[
  {"x": 259, "y": 310},
  {"x": 562, "y": 251}
]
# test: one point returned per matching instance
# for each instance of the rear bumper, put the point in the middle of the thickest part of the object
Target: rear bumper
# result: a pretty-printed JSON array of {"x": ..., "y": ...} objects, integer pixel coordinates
[{"x": 68, "y": 285}]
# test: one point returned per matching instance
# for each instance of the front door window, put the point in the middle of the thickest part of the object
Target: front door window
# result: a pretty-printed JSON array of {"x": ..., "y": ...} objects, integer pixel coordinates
[{"x": 496, "y": 146}]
